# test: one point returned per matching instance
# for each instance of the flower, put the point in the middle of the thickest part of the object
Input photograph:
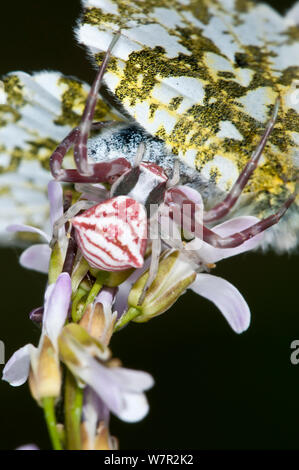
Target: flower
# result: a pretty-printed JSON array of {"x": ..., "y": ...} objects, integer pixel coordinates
[
  {"x": 98, "y": 318},
  {"x": 219, "y": 291},
  {"x": 95, "y": 425},
  {"x": 37, "y": 257},
  {"x": 178, "y": 270},
  {"x": 42, "y": 363},
  {"x": 120, "y": 389},
  {"x": 28, "y": 447},
  {"x": 173, "y": 277}
]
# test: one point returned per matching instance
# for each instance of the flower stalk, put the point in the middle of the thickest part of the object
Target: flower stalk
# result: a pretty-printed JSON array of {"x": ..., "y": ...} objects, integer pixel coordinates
[
  {"x": 73, "y": 399},
  {"x": 97, "y": 286},
  {"x": 50, "y": 417},
  {"x": 130, "y": 315},
  {"x": 101, "y": 303}
]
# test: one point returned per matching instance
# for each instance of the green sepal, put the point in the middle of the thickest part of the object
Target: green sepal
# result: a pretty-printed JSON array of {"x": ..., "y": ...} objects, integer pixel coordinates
[
  {"x": 56, "y": 264},
  {"x": 111, "y": 279},
  {"x": 171, "y": 282}
]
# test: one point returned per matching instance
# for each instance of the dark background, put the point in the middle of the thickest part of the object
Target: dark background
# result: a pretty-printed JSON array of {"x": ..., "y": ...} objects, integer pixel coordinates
[{"x": 214, "y": 389}]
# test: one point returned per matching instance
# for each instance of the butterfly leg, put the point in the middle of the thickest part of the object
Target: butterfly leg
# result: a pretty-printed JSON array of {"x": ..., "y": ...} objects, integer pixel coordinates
[
  {"x": 102, "y": 172},
  {"x": 221, "y": 209},
  {"x": 238, "y": 238}
]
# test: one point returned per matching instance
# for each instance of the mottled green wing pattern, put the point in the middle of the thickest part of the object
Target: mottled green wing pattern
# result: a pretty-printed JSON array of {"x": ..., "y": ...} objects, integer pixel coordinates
[
  {"x": 204, "y": 76},
  {"x": 36, "y": 113}
]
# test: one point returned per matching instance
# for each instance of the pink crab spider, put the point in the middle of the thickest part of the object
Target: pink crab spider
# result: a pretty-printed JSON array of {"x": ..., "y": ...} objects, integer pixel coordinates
[{"x": 125, "y": 178}]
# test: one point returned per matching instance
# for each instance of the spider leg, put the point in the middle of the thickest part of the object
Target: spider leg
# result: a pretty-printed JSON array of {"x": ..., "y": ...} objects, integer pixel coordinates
[
  {"x": 59, "y": 153},
  {"x": 221, "y": 209},
  {"x": 139, "y": 154},
  {"x": 155, "y": 256},
  {"x": 69, "y": 214},
  {"x": 238, "y": 238},
  {"x": 153, "y": 269},
  {"x": 80, "y": 147},
  {"x": 175, "y": 179},
  {"x": 102, "y": 172}
]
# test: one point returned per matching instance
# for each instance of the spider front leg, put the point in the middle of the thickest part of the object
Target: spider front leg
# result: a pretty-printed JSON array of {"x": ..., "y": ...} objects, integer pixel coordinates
[
  {"x": 104, "y": 172},
  {"x": 221, "y": 209},
  {"x": 67, "y": 216},
  {"x": 87, "y": 173},
  {"x": 201, "y": 231},
  {"x": 238, "y": 238},
  {"x": 80, "y": 147}
]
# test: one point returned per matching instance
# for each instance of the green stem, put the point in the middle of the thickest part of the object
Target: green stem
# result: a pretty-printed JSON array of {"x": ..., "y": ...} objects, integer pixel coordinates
[
  {"x": 76, "y": 316},
  {"x": 94, "y": 290},
  {"x": 49, "y": 411},
  {"x": 127, "y": 317},
  {"x": 73, "y": 400}
]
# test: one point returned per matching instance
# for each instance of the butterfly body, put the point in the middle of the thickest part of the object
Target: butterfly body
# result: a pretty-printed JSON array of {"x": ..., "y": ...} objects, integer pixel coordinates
[{"x": 123, "y": 140}]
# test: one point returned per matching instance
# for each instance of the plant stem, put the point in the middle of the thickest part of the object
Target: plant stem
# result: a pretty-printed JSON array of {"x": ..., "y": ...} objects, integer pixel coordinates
[
  {"x": 76, "y": 316},
  {"x": 94, "y": 290},
  {"x": 73, "y": 400},
  {"x": 49, "y": 411},
  {"x": 130, "y": 315}
]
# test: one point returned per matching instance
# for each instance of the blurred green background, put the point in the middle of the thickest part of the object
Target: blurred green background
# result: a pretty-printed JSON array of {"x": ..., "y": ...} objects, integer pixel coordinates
[{"x": 214, "y": 389}]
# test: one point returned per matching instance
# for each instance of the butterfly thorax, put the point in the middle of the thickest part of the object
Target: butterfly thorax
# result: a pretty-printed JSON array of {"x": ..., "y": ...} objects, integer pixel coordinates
[{"x": 123, "y": 140}]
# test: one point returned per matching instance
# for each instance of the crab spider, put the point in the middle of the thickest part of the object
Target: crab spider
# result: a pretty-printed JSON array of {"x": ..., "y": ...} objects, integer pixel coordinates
[{"x": 147, "y": 182}]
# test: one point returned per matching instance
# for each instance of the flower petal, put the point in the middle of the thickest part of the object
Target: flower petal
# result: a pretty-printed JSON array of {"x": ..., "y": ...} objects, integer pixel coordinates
[
  {"x": 100, "y": 379},
  {"x": 28, "y": 447},
  {"x": 119, "y": 392},
  {"x": 27, "y": 228},
  {"x": 16, "y": 370},
  {"x": 105, "y": 297},
  {"x": 94, "y": 411},
  {"x": 189, "y": 192},
  {"x": 135, "y": 407},
  {"x": 132, "y": 380},
  {"x": 226, "y": 297},
  {"x": 36, "y": 257},
  {"x": 211, "y": 255},
  {"x": 56, "y": 307},
  {"x": 55, "y": 195}
]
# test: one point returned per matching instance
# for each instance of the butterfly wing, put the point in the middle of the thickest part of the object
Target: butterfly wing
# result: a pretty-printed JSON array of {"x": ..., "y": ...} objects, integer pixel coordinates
[
  {"x": 36, "y": 112},
  {"x": 204, "y": 77}
]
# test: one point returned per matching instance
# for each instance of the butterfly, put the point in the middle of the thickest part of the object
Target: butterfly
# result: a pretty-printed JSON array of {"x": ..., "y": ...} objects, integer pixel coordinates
[{"x": 195, "y": 81}]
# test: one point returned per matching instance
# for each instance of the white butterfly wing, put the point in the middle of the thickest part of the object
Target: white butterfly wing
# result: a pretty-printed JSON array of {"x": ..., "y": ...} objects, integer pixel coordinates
[
  {"x": 36, "y": 112},
  {"x": 204, "y": 77}
]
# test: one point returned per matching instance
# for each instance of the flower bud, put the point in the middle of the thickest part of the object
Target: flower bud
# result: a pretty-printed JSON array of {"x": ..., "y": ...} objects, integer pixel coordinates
[
  {"x": 45, "y": 375},
  {"x": 174, "y": 276},
  {"x": 101, "y": 441},
  {"x": 98, "y": 320}
]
